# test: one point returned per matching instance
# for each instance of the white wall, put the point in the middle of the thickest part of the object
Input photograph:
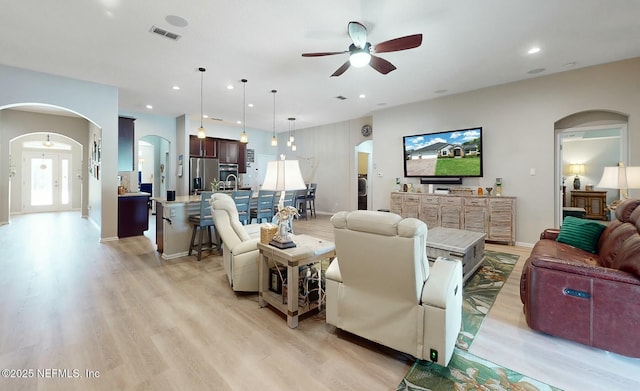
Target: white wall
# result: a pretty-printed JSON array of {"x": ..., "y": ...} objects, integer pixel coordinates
[
  {"x": 326, "y": 157},
  {"x": 518, "y": 120}
]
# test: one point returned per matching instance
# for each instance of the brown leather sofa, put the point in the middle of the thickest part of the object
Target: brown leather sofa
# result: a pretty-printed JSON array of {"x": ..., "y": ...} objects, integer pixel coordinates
[{"x": 590, "y": 298}]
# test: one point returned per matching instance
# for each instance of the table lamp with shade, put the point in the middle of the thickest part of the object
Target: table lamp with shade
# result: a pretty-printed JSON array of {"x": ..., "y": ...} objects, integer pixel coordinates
[
  {"x": 622, "y": 178},
  {"x": 577, "y": 170},
  {"x": 283, "y": 175}
]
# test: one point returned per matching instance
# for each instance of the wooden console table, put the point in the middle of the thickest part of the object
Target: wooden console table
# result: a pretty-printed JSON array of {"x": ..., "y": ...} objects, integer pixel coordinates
[
  {"x": 594, "y": 202},
  {"x": 308, "y": 250},
  {"x": 493, "y": 215}
]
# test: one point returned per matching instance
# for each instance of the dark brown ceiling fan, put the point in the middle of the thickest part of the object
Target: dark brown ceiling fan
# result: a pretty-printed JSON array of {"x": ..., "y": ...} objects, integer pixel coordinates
[{"x": 361, "y": 51}]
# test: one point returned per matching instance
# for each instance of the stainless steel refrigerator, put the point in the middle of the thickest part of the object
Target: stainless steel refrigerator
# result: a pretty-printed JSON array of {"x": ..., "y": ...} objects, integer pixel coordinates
[{"x": 202, "y": 171}]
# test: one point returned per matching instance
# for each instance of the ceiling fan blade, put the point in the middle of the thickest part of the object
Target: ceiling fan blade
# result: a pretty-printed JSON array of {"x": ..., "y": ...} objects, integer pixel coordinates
[
  {"x": 402, "y": 43},
  {"x": 381, "y": 65},
  {"x": 358, "y": 34},
  {"x": 342, "y": 69},
  {"x": 323, "y": 54}
]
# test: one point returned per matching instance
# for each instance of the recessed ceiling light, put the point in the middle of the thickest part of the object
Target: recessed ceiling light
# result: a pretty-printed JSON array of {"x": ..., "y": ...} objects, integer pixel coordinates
[
  {"x": 177, "y": 21},
  {"x": 149, "y": 107},
  {"x": 534, "y": 50},
  {"x": 205, "y": 116},
  {"x": 239, "y": 122},
  {"x": 230, "y": 87},
  {"x": 175, "y": 88},
  {"x": 362, "y": 96},
  {"x": 250, "y": 105}
]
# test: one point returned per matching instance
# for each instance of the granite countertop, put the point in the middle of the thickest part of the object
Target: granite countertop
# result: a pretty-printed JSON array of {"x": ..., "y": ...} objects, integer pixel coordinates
[{"x": 135, "y": 194}]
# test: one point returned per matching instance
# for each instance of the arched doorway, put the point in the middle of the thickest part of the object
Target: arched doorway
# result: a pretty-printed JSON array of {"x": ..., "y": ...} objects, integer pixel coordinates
[
  {"x": 590, "y": 141},
  {"x": 47, "y": 158}
]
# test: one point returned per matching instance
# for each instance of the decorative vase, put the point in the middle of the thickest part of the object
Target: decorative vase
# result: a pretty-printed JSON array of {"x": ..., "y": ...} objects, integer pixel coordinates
[
  {"x": 576, "y": 183},
  {"x": 498, "y": 186}
]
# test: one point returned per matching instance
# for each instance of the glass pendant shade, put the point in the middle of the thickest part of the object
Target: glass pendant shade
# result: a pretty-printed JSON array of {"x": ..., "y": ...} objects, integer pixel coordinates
[{"x": 360, "y": 59}]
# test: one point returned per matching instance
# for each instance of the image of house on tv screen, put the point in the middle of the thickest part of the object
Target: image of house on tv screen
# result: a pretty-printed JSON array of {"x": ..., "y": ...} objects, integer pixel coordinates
[{"x": 455, "y": 153}]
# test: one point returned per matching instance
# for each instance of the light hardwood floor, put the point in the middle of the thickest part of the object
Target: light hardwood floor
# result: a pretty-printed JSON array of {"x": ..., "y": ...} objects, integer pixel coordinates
[{"x": 69, "y": 302}]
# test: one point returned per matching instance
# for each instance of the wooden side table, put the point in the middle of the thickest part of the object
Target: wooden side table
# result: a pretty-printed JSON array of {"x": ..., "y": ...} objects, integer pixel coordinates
[
  {"x": 309, "y": 250},
  {"x": 594, "y": 203}
]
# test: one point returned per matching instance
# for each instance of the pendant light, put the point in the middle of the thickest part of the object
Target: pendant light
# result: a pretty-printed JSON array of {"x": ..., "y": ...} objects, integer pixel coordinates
[
  {"x": 293, "y": 135},
  {"x": 244, "y": 138},
  {"x": 274, "y": 140},
  {"x": 292, "y": 138},
  {"x": 201, "y": 131},
  {"x": 48, "y": 143}
]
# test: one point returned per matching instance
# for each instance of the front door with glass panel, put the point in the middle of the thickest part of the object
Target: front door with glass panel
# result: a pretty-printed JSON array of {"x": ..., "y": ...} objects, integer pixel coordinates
[{"x": 47, "y": 186}]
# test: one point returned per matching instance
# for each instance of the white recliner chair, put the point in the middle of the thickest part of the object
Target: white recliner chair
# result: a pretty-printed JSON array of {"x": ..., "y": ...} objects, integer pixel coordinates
[
  {"x": 380, "y": 286},
  {"x": 239, "y": 244}
]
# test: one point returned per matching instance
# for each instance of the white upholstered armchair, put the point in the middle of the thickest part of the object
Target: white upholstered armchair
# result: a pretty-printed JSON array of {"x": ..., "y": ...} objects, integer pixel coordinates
[
  {"x": 380, "y": 286},
  {"x": 239, "y": 244}
]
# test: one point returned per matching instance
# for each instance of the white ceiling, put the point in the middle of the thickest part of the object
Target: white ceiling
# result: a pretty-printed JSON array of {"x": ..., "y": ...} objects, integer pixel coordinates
[{"x": 467, "y": 44}]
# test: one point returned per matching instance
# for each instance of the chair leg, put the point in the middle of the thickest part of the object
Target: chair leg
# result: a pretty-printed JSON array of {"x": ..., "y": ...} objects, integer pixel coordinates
[
  {"x": 200, "y": 243},
  {"x": 193, "y": 237}
]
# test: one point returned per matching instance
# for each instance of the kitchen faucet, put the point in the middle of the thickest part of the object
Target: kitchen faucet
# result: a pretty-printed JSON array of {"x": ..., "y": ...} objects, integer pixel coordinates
[{"x": 235, "y": 183}]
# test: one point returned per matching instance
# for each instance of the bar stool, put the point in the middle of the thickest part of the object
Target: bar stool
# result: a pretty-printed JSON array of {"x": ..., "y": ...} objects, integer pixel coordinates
[
  {"x": 311, "y": 199},
  {"x": 200, "y": 223},
  {"x": 301, "y": 202}
]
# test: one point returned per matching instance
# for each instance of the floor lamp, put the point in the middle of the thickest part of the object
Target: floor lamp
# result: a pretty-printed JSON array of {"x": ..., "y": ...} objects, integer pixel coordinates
[
  {"x": 622, "y": 178},
  {"x": 283, "y": 175}
]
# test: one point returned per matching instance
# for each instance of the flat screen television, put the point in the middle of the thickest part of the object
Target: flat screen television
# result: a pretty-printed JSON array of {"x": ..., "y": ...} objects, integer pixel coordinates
[{"x": 443, "y": 157}]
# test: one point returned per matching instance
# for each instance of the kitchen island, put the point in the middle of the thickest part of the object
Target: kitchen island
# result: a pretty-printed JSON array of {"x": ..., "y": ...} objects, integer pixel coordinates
[{"x": 173, "y": 230}]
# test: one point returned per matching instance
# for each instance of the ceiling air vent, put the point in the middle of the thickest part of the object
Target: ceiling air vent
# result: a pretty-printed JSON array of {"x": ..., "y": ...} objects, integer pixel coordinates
[
  {"x": 341, "y": 97},
  {"x": 165, "y": 33}
]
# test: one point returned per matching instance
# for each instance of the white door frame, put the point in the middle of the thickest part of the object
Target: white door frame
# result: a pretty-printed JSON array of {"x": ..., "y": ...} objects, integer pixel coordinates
[
  {"x": 58, "y": 181},
  {"x": 624, "y": 157}
]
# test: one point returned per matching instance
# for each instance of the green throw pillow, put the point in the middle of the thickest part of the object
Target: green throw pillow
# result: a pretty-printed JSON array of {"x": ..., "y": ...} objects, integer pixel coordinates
[{"x": 580, "y": 233}]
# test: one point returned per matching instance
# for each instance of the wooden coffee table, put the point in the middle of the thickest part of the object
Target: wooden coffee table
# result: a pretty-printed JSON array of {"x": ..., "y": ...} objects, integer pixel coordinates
[
  {"x": 466, "y": 246},
  {"x": 308, "y": 250}
]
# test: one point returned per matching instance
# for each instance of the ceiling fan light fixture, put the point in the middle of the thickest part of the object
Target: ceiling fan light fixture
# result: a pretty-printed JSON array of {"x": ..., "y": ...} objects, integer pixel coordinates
[{"x": 360, "y": 58}]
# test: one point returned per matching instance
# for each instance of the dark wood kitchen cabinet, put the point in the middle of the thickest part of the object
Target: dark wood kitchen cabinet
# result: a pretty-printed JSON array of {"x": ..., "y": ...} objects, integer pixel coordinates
[
  {"x": 206, "y": 147},
  {"x": 133, "y": 214},
  {"x": 126, "y": 138},
  {"x": 226, "y": 150}
]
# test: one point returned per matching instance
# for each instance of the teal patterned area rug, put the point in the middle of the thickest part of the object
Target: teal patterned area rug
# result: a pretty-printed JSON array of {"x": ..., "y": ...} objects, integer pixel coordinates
[{"x": 466, "y": 371}]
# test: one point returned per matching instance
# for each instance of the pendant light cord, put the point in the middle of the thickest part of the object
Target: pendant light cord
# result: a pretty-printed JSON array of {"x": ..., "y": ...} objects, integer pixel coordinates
[
  {"x": 202, "y": 70},
  {"x": 274, "y": 112}
]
